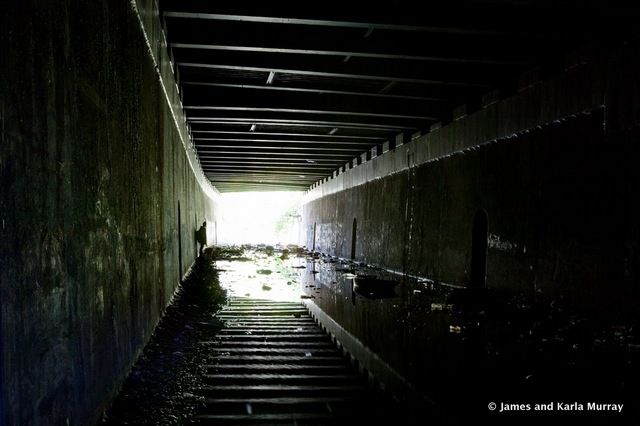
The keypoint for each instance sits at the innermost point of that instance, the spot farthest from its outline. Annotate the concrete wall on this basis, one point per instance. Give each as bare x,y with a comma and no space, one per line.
552,166
93,166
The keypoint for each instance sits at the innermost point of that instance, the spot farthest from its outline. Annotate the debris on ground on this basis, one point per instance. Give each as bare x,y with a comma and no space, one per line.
226,253
157,391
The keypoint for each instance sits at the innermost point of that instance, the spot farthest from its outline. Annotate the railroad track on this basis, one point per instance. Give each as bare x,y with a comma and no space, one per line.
272,364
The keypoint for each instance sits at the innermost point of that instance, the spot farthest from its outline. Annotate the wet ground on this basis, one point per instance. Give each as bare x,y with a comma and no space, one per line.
466,348
159,389
462,348
272,364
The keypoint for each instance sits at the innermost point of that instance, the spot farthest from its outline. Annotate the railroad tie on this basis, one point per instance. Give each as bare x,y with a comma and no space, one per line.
272,364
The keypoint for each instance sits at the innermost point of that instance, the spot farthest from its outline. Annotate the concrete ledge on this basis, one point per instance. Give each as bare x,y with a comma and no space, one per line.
148,15
390,380
537,101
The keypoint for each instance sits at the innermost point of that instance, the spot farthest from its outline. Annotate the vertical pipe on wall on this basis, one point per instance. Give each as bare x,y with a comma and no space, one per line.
195,240
313,243
353,238
179,243
479,245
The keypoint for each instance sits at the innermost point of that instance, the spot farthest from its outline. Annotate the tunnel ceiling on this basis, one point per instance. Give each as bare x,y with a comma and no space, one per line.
278,97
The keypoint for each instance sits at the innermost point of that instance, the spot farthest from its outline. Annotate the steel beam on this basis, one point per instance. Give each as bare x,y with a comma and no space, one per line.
203,141
312,73
347,24
297,123
251,135
306,111
316,91
361,54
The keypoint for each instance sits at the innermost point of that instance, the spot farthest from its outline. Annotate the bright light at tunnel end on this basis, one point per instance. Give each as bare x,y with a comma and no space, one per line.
261,217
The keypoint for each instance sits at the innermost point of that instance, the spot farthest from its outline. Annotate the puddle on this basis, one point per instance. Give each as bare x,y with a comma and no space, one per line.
267,276
455,344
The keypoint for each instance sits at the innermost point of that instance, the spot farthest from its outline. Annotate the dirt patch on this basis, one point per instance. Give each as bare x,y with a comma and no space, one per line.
159,387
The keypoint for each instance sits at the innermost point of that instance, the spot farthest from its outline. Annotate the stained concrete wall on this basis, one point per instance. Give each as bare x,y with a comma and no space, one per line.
552,167
93,166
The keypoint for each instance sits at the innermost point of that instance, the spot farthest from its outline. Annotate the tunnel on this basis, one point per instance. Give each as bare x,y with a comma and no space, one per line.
462,233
